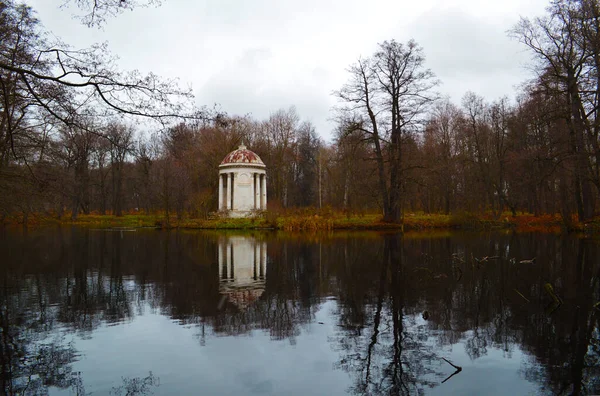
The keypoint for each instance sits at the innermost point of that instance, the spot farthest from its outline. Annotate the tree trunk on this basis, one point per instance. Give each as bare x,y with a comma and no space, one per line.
585,208
117,189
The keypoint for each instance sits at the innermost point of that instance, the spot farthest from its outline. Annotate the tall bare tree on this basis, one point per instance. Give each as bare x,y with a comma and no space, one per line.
440,150
565,45
386,99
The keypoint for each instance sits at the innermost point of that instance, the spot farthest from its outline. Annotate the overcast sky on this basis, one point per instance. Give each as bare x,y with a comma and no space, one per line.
257,56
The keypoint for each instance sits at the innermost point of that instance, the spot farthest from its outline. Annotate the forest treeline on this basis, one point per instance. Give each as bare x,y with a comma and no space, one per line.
68,144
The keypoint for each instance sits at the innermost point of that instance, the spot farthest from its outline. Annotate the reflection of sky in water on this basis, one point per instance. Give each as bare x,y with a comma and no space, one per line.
255,364
252,363
497,372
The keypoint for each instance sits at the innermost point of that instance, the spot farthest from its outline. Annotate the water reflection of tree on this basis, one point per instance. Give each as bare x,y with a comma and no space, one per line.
473,301
94,290
32,356
136,386
388,354
568,342
50,288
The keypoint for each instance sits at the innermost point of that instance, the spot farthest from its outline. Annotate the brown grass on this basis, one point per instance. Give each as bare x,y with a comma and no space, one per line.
310,219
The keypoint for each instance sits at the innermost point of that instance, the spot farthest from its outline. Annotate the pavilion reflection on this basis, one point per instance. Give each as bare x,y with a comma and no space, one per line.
242,269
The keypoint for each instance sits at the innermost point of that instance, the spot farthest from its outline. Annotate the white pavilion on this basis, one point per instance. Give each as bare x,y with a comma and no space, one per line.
242,183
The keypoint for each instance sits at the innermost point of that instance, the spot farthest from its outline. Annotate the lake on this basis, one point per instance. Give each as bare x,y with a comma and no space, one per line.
262,313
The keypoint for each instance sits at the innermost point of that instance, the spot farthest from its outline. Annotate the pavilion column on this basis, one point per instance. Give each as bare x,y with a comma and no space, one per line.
260,195
232,193
227,205
257,191
264,192
220,197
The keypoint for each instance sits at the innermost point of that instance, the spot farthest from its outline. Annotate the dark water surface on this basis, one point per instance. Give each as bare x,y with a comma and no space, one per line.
156,312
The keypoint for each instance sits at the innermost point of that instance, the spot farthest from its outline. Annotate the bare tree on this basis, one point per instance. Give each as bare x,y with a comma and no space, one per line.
280,133
441,153
67,84
96,12
560,42
122,145
45,85
385,99
79,146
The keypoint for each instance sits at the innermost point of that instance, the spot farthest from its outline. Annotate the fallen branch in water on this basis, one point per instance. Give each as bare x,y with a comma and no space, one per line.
524,298
550,291
458,369
557,301
486,258
532,261
460,274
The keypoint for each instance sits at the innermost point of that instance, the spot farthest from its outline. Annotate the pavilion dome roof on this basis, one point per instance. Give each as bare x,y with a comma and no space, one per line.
242,156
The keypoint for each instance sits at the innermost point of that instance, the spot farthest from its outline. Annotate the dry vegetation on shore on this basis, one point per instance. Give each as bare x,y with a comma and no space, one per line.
318,220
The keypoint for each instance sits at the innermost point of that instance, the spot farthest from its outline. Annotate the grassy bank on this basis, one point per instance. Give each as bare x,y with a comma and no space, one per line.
314,220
